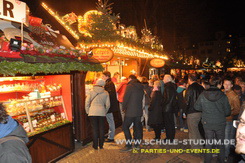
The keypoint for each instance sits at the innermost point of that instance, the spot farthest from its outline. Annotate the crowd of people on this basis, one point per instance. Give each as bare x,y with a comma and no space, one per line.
204,105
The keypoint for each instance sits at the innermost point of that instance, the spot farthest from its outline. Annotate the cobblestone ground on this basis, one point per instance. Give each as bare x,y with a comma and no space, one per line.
111,152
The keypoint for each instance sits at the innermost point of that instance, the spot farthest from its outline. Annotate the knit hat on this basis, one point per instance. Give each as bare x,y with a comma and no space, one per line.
100,82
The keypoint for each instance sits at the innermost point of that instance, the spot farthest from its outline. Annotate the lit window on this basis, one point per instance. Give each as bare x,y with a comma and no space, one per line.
228,50
228,42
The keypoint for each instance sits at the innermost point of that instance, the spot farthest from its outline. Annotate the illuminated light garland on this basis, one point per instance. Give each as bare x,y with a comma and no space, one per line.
119,48
52,13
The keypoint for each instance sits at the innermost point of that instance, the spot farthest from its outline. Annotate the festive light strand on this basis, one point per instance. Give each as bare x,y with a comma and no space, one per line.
56,16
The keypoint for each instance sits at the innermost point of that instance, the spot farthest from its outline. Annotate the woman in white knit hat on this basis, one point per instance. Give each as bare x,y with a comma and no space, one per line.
97,104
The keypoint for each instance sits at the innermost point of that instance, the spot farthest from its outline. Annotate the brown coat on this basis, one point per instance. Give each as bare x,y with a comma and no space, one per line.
234,102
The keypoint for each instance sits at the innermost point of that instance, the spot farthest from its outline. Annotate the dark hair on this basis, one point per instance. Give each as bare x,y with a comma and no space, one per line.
162,76
107,73
144,79
132,77
237,87
192,77
182,82
3,114
215,81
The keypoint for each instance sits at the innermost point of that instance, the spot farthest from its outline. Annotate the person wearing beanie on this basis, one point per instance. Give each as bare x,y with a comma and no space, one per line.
97,105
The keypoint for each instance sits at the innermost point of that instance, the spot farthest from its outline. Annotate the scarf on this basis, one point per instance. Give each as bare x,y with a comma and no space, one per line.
7,128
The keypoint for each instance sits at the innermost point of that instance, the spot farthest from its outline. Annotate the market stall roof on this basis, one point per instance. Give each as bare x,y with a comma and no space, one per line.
121,45
44,51
41,35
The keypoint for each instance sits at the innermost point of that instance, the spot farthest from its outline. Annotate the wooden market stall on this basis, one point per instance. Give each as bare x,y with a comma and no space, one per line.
42,85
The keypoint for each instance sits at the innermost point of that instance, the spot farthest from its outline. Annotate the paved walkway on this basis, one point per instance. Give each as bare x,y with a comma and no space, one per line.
111,152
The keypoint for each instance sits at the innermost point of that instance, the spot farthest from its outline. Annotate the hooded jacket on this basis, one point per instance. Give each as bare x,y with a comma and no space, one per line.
132,100
15,150
215,107
97,102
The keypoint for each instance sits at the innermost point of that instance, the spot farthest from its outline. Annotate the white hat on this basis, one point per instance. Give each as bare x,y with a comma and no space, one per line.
100,82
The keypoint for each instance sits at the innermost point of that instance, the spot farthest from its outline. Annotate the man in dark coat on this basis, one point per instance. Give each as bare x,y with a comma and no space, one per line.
169,106
132,105
215,107
13,140
114,104
193,116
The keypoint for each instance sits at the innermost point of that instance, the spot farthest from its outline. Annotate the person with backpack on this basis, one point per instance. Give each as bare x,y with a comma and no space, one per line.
97,105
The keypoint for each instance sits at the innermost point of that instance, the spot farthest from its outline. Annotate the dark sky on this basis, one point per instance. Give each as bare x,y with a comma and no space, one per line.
176,22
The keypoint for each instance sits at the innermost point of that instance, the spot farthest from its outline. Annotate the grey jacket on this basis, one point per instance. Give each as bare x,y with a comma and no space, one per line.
215,107
15,150
97,102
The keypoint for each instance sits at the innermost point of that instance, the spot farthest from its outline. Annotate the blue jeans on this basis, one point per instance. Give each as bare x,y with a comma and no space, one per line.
110,120
146,115
228,135
121,110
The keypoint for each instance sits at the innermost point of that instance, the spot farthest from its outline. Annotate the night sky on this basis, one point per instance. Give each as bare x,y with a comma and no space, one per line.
176,22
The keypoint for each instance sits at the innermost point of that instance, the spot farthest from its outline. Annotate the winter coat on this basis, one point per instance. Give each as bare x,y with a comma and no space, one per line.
132,100
169,103
215,107
155,109
100,104
121,90
192,93
147,91
234,103
110,88
15,150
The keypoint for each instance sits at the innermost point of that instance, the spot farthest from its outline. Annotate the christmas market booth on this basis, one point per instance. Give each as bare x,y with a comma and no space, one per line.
101,30
115,46
42,82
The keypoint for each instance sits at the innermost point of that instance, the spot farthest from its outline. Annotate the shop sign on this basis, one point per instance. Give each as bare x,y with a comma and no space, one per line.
157,63
102,54
13,10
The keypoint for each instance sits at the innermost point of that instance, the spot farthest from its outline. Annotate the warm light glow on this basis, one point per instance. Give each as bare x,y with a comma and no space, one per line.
119,48
83,21
56,16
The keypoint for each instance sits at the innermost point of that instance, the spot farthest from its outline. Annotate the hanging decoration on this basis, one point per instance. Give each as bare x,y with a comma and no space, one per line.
70,18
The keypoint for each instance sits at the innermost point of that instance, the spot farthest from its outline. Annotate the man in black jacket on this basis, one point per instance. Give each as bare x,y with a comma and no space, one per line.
132,105
215,107
170,106
193,116
114,104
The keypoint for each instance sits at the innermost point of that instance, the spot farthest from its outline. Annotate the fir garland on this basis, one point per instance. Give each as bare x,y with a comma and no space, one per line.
13,68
